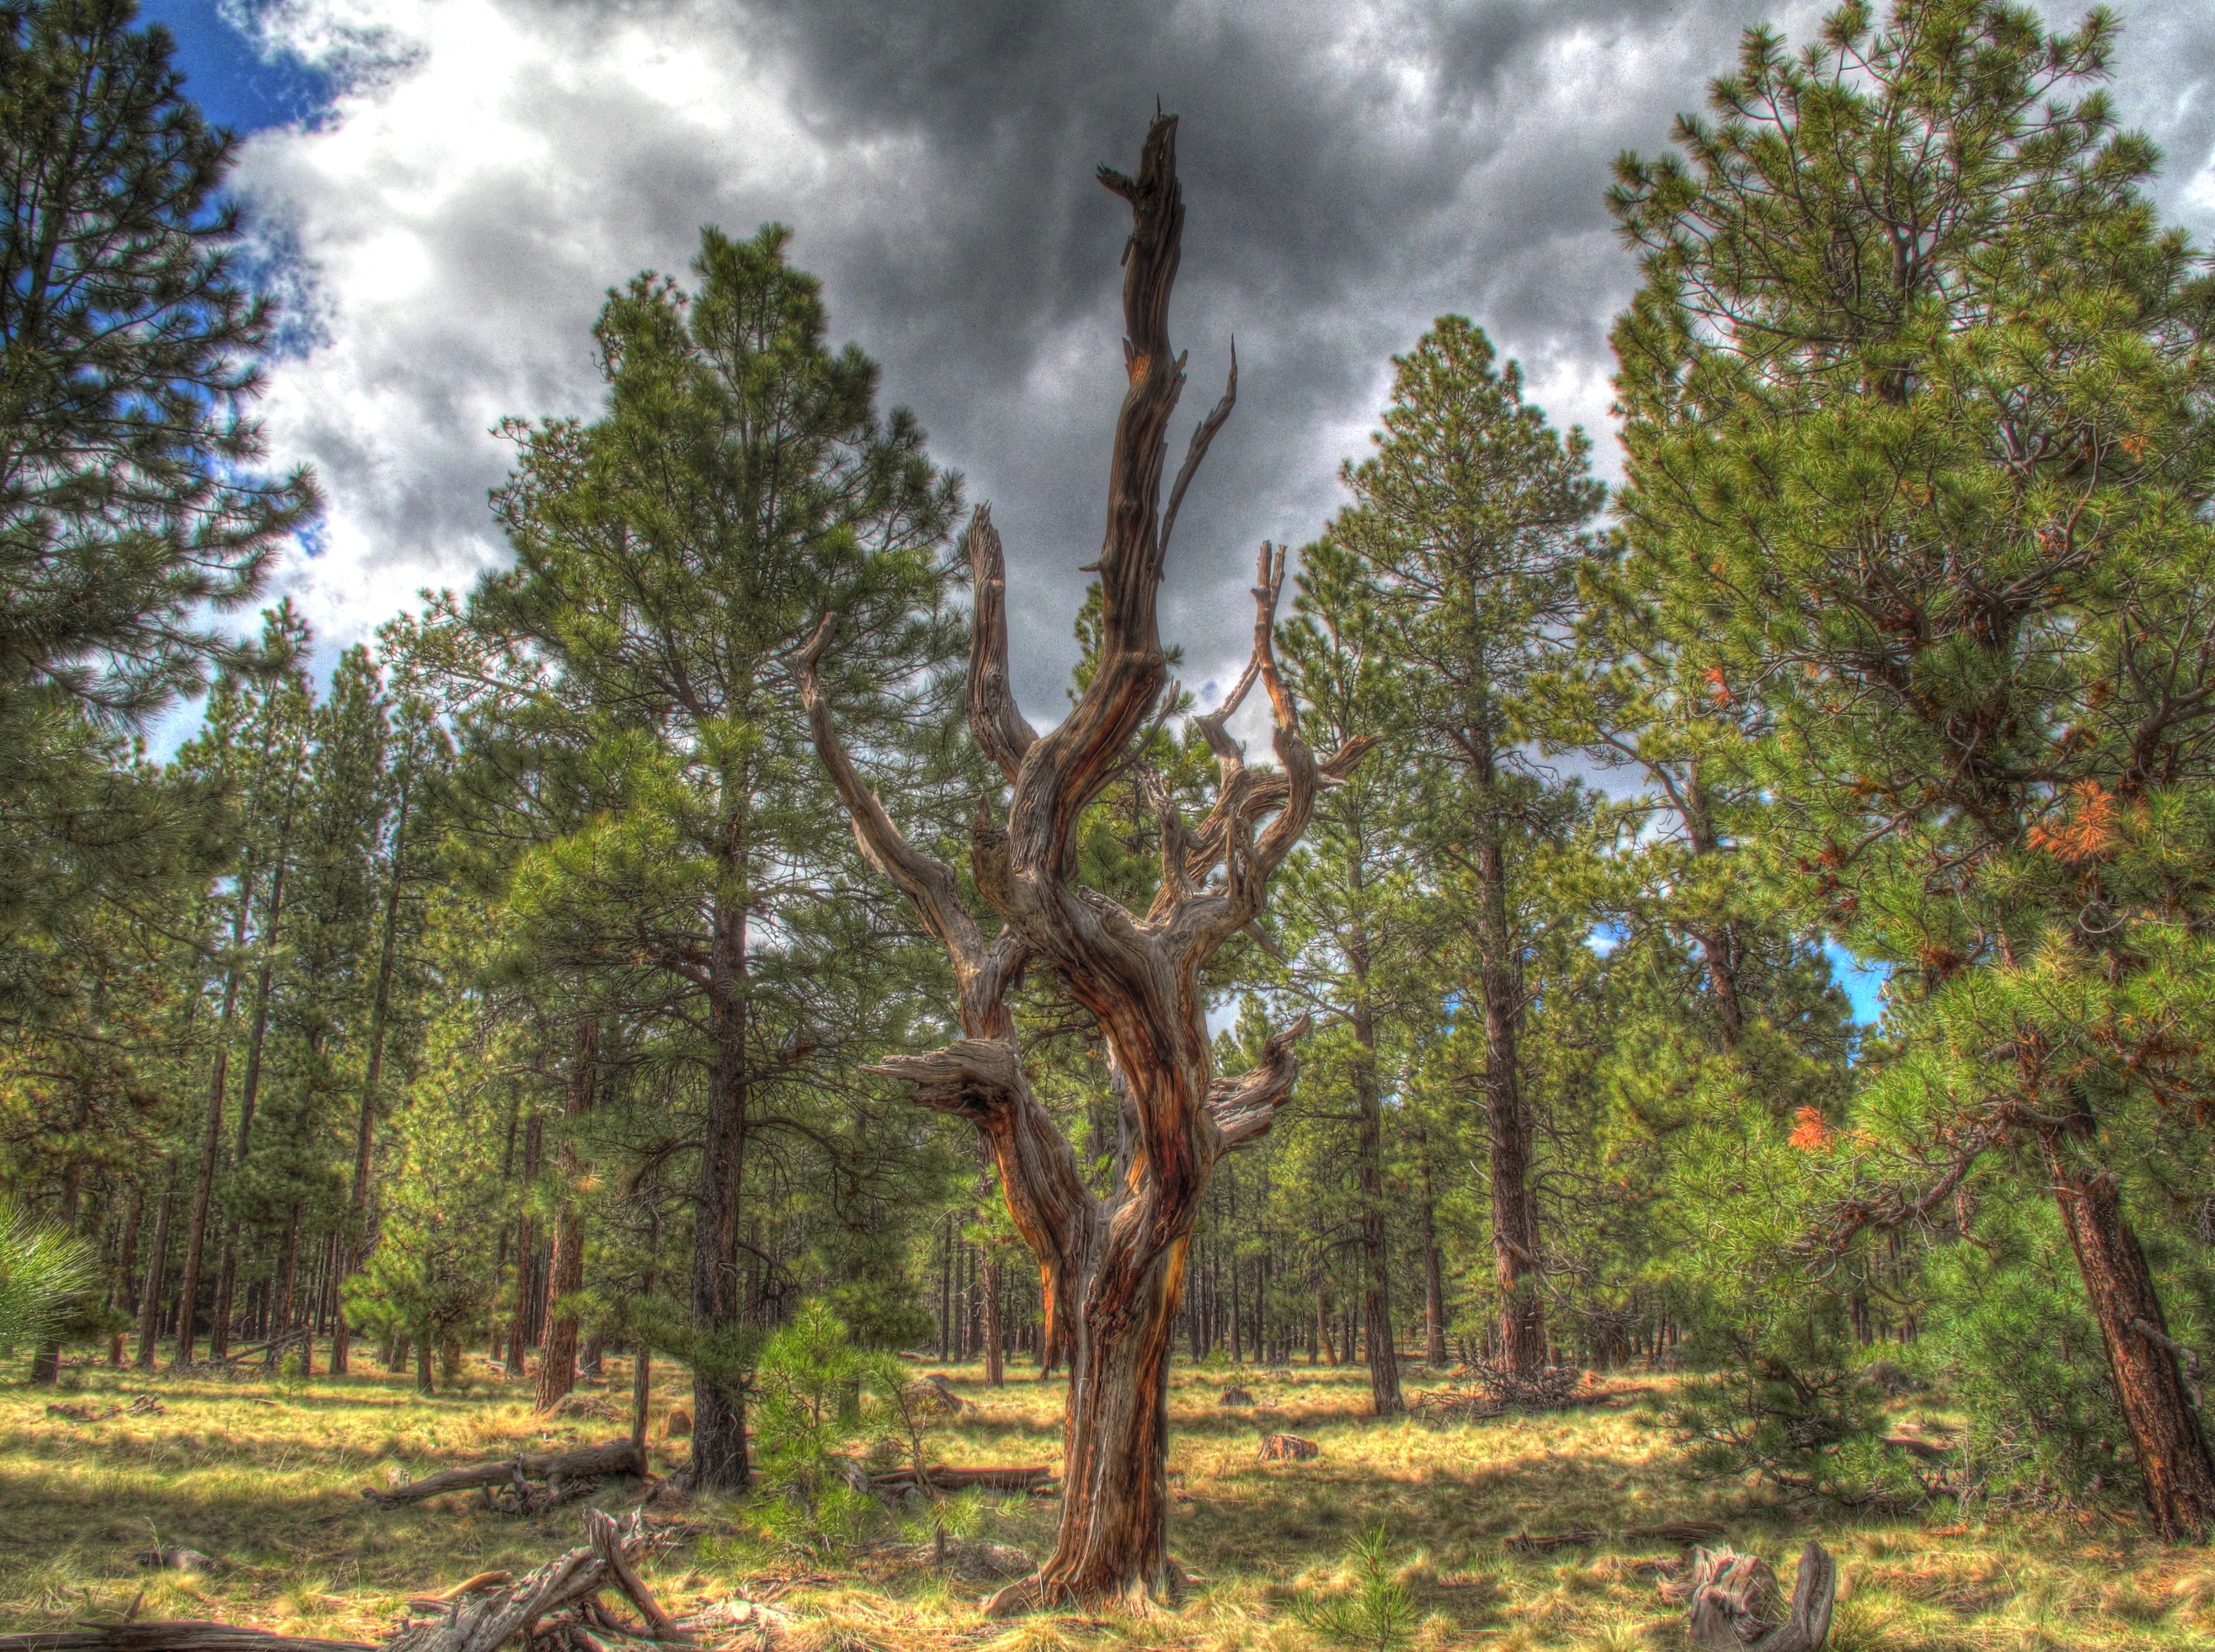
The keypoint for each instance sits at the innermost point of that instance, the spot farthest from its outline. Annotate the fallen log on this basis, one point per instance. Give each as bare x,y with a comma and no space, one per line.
1930,1451
189,1635
943,1478
617,1457
1683,1534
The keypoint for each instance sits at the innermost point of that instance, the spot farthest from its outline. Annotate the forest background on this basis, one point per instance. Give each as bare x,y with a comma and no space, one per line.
516,989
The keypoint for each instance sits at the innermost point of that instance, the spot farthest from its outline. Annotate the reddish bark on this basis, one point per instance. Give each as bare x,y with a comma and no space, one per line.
2175,1469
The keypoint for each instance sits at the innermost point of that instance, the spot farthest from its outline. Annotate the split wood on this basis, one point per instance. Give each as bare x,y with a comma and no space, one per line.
617,1457
1736,1604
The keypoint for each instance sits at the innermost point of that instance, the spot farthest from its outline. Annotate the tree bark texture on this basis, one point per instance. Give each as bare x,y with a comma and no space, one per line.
2175,1472
1507,1119
557,1359
1112,1269
719,1413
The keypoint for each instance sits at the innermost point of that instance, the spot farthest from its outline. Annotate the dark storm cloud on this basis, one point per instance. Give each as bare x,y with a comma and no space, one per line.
1350,173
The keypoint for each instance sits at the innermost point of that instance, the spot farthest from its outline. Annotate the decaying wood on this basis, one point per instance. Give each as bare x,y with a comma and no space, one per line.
1288,1449
1112,1267
1234,1397
1736,1605
488,1618
479,1615
941,1479
179,1635
607,1541
1683,1534
617,1457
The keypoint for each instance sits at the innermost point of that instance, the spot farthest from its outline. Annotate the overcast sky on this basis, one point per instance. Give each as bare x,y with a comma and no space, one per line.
454,184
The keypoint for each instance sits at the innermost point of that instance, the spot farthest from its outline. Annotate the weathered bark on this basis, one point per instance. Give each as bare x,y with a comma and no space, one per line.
157,1264
1111,1270
557,1359
2176,1473
424,1384
719,1416
365,1143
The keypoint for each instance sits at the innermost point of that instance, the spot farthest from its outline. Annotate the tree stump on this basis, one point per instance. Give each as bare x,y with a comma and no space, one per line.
1235,1397
1737,1605
1288,1449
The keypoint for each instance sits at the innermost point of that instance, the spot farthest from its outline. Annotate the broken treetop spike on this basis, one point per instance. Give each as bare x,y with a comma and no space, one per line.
1157,160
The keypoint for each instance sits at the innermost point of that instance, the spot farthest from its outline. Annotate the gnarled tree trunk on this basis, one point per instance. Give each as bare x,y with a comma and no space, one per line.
1112,1269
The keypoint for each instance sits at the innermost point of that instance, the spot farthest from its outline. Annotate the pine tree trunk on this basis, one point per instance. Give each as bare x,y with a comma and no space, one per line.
126,1260
211,1142
1434,1278
157,1264
996,1374
1507,1122
526,1253
288,1277
557,1360
1376,1264
2176,1473
365,1145
718,1417
424,1384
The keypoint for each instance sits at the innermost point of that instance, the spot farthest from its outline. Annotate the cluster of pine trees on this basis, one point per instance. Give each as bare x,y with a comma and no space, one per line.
517,992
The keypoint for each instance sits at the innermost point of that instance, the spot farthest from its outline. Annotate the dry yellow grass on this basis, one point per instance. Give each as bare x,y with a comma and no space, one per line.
266,1483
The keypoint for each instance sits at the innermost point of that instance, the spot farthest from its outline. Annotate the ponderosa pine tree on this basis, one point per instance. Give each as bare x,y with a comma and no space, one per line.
1917,392
1467,526
1113,1267
129,505
641,658
1351,925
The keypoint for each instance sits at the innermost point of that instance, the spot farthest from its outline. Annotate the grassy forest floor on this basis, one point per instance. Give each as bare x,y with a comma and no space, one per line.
265,1482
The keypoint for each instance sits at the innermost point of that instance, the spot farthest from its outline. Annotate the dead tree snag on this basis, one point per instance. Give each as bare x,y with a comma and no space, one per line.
1112,1267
